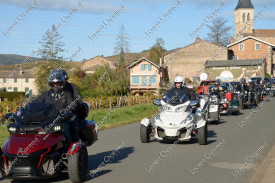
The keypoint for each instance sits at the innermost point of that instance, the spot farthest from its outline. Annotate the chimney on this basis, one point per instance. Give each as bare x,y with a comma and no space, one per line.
21,71
198,39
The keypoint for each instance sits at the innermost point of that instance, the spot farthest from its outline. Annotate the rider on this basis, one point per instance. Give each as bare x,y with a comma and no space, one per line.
244,86
70,86
179,89
250,85
216,87
63,101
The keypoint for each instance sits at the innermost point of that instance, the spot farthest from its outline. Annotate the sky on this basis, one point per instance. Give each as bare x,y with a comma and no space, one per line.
90,27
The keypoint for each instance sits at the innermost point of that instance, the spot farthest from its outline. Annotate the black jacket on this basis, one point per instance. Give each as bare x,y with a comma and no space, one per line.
63,101
180,92
73,90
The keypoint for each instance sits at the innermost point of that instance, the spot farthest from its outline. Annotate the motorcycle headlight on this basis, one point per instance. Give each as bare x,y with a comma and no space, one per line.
181,109
12,129
57,128
167,108
188,118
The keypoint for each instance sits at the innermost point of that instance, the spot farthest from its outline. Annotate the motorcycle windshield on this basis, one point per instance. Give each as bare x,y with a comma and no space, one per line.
175,99
37,113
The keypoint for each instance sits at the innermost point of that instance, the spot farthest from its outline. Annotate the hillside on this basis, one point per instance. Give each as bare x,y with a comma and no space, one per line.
10,59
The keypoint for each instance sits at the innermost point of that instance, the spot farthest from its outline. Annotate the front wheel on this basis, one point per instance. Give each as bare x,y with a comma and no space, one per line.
202,135
237,112
144,134
78,165
2,168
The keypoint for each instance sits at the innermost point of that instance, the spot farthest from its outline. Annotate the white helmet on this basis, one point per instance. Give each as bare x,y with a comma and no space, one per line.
179,79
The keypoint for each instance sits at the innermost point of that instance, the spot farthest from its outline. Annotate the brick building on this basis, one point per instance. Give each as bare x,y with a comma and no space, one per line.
189,61
92,64
254,48
249,43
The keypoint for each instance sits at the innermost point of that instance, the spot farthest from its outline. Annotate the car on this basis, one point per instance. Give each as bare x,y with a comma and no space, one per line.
204,85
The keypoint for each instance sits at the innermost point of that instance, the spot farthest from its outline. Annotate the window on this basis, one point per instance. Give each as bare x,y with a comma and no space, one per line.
142,67
248,17
15,80
9,88
244,17
235,57
135,79
146,67
144,81
153,79
27,80
26,89
257,46
4,80
15,89
241,47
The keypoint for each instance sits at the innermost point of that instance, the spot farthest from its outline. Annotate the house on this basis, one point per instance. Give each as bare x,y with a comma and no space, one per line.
254,48
92,64
189,60
234,70
249,43
18,81
145,76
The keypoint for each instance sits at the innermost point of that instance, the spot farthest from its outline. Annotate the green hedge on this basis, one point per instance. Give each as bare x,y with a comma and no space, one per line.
11,95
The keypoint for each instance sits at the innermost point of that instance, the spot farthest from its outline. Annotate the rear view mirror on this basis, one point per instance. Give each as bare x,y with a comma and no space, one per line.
157,102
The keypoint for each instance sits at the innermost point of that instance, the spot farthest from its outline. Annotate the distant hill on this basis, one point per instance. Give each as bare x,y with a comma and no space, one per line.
10,59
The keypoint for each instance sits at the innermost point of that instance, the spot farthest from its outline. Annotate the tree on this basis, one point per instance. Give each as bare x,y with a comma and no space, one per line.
43,73
122,75
122,46
219,31
51,45
157,50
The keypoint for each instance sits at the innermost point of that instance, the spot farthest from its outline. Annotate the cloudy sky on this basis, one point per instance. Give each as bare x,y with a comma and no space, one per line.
93,25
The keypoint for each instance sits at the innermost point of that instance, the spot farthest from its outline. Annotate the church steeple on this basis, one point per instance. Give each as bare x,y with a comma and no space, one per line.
244,18
244,4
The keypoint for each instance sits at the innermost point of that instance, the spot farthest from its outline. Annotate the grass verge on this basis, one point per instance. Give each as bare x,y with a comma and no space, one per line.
108,118
4,134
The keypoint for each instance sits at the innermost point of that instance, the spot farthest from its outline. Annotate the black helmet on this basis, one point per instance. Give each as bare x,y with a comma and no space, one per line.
243,80
57,81
64,74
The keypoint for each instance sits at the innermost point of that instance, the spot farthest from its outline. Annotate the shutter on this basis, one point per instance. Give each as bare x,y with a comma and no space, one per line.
149,67
142,67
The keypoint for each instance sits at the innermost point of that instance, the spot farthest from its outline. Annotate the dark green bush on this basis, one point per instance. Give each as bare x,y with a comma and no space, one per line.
11,95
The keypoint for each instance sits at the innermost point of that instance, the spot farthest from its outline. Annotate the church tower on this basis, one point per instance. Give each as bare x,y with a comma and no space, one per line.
244,18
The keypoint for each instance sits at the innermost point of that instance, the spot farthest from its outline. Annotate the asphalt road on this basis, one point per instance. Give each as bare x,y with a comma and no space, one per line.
233,153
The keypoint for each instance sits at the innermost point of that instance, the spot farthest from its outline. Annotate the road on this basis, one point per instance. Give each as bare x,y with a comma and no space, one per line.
233,153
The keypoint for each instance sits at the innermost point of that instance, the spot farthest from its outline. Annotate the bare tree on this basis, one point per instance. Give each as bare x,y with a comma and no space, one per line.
219,31
51,45
122,45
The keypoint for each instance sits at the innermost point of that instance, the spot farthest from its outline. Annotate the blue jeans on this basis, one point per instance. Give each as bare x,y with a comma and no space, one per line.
71,130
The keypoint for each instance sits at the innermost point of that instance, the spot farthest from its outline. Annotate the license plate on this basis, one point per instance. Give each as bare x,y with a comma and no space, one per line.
213,108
